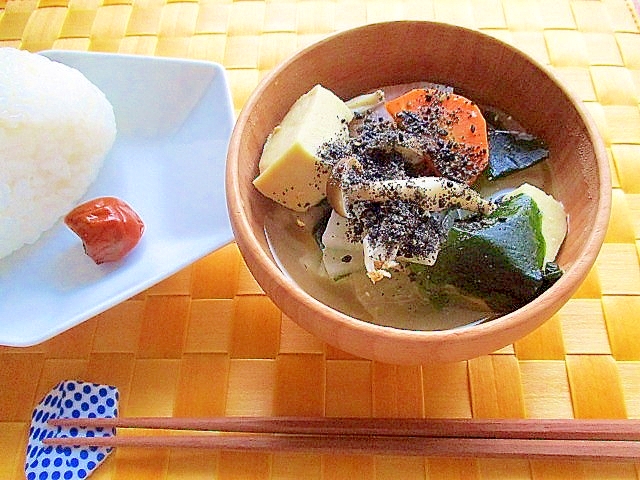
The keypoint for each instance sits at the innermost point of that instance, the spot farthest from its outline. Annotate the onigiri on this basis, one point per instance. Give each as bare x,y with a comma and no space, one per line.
56,127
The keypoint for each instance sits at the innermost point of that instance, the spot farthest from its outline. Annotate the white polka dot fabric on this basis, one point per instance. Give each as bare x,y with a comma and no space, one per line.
69,399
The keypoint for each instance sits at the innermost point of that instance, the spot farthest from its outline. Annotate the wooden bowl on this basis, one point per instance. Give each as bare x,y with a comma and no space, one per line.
481,68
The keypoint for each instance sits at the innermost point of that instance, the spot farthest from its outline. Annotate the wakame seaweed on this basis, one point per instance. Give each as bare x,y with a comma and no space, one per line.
498,258
513,151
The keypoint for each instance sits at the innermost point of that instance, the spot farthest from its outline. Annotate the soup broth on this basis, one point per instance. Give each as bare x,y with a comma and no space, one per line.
396,301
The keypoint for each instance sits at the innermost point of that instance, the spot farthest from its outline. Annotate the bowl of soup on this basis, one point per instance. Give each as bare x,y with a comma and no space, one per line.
388,299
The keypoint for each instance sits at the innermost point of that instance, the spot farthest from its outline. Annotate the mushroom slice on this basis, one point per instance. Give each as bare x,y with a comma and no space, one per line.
411,150
366,102
342,179
378,260
433,193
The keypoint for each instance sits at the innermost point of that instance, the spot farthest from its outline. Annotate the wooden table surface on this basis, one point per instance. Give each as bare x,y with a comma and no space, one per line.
208,342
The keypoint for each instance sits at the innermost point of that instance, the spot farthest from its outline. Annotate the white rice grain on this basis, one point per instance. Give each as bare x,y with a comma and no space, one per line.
56,127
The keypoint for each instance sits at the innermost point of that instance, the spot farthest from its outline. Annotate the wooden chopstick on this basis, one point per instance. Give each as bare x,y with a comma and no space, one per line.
602,440
592,450
548,429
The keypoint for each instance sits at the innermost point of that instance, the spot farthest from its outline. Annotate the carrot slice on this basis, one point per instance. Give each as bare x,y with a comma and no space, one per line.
458,146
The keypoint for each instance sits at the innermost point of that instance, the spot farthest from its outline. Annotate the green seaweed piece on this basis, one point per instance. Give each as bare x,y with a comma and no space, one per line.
498,258
510,152
321,226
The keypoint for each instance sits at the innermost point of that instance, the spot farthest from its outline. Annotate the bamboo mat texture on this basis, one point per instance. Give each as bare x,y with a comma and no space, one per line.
208,342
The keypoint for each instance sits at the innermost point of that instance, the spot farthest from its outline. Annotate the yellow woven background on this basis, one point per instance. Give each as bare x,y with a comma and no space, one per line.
208,342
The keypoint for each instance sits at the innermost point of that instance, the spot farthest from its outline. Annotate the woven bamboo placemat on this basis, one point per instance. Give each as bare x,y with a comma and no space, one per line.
208,342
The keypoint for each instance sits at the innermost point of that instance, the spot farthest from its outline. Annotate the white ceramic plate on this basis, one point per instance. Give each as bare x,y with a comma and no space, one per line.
174,121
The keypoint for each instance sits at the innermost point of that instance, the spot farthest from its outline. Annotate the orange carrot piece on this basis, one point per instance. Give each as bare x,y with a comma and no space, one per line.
411,101
459,117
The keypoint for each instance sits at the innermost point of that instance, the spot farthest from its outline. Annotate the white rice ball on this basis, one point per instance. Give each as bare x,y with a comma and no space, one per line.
56,127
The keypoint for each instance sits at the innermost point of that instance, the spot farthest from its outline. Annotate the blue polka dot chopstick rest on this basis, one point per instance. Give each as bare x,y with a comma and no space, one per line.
69,399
